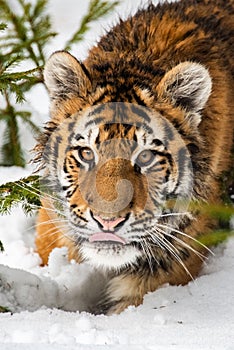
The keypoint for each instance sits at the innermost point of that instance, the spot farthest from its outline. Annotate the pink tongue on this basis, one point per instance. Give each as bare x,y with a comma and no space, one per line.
106,236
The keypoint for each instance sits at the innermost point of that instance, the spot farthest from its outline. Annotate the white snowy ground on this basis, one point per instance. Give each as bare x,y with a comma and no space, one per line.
197,316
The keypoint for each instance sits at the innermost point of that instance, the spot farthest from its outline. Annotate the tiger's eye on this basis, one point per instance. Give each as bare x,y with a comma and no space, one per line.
145,158
86,154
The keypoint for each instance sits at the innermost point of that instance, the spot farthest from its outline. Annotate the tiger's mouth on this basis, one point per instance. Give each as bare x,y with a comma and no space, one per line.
111,245
108,228
106,237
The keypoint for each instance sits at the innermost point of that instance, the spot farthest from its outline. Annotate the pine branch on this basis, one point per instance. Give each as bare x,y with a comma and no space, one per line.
24,192
96,10
11,148
17,82
31,29
25,116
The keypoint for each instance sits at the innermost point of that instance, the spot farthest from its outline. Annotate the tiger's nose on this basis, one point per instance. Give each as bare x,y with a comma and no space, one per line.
108,224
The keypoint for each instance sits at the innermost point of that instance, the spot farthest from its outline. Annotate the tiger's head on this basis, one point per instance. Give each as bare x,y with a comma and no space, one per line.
122,172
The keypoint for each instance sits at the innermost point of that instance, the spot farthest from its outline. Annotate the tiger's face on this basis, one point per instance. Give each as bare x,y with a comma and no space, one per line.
121,174
117,170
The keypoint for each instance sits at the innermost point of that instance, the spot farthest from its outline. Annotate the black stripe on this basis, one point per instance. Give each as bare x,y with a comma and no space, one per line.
56,146
96,110
78,164
85,70
100,98
182,159
144,127
140,112
78,137
138,98
169,131
80,217
154,170
95,121
156,203
157,142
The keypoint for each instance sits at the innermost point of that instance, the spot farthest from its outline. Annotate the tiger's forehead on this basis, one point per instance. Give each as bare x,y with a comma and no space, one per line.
116,131
116,120
119,112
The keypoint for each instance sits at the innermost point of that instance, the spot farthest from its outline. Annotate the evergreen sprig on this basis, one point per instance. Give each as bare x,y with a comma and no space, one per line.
17,83
29,29
24,192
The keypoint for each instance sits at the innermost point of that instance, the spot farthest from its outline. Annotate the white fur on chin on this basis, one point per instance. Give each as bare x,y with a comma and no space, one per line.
109,259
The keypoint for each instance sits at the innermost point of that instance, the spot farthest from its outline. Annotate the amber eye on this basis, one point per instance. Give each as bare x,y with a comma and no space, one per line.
145,158
86,154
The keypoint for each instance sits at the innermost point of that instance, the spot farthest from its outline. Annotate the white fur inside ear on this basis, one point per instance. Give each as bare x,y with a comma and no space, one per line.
63,74
188,85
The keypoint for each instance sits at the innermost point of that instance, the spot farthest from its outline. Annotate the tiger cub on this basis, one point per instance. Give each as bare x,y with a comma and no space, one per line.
139,131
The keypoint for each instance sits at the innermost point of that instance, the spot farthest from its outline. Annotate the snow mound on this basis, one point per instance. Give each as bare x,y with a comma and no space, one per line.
196,316
62,284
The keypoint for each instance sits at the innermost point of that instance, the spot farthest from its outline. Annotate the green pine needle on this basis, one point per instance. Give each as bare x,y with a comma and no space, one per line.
11,150
24,192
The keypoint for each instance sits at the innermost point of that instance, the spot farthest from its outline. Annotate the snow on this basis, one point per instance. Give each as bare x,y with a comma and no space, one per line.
45,300
196,316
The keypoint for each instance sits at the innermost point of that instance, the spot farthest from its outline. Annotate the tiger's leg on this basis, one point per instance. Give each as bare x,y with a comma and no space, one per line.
48,235
51,233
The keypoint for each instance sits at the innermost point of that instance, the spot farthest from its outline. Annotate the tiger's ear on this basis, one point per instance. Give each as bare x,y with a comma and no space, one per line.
65,77
187,85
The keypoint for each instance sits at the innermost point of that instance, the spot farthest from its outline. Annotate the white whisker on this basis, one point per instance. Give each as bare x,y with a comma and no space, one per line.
185,235
183,244
35,191
173,250
172,214
148,253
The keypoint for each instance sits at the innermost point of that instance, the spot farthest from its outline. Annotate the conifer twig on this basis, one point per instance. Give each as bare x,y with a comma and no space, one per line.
20,193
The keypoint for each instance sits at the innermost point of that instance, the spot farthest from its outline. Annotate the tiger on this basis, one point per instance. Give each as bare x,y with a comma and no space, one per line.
140,138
